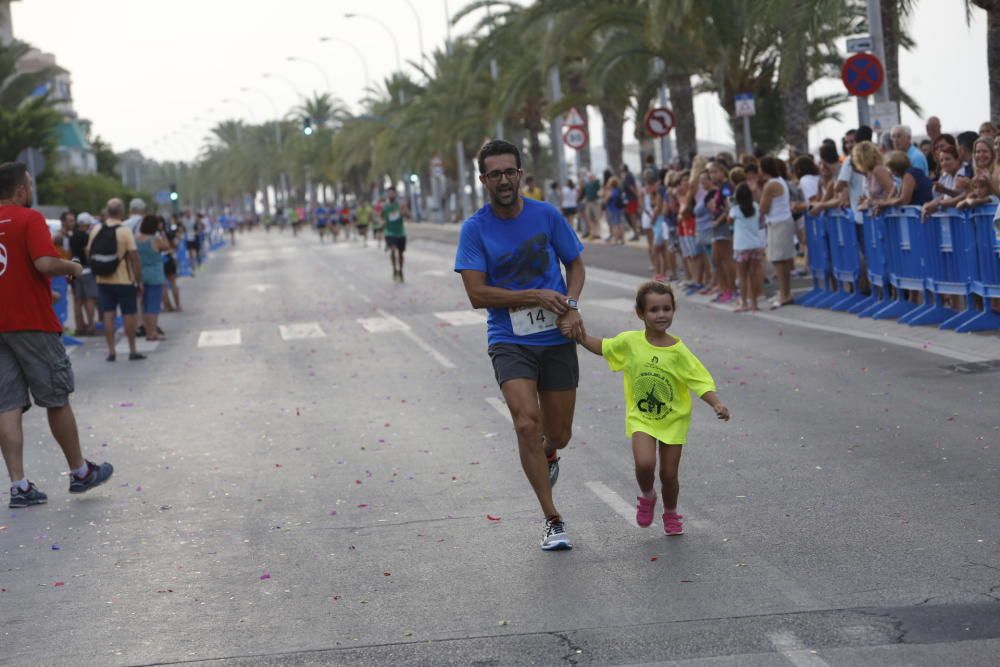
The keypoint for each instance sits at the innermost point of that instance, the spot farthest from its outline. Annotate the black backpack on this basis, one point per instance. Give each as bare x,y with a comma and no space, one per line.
103,260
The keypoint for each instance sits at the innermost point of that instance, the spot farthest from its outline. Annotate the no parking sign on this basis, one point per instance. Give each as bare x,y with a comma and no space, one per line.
862,74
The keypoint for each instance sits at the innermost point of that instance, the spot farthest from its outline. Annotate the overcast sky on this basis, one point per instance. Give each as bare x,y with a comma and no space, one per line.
153,75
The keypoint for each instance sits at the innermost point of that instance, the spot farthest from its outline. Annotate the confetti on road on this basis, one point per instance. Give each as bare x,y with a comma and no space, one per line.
55,547
492,518
59,583
264,576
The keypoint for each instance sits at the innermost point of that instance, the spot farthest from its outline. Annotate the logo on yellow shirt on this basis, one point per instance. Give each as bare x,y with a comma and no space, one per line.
655,394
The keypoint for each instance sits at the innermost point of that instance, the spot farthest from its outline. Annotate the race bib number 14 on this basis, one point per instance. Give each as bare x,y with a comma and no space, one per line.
526,321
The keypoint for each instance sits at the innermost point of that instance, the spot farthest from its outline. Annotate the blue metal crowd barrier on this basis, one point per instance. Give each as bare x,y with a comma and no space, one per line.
819,261
950,254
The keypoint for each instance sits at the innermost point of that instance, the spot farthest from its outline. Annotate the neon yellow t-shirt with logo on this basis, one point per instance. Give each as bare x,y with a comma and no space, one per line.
658,384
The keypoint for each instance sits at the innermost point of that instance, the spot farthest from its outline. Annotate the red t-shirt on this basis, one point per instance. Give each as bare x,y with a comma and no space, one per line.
25,294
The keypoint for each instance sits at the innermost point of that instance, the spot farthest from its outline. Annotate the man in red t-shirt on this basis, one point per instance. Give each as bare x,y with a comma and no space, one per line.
32,356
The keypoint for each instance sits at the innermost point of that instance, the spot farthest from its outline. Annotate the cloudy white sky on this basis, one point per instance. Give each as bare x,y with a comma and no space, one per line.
153,75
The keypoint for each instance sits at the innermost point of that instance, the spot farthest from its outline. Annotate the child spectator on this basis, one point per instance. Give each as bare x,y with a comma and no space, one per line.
659,374
748,247
981,192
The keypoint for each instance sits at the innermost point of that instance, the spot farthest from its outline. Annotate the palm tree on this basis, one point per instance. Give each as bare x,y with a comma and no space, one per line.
25,119
992,8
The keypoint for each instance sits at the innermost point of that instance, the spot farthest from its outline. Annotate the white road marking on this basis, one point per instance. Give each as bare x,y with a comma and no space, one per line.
260,289
361,295
794,651
301,330
382,324
459,318
500,407
614,501
141,345
220,338
437,356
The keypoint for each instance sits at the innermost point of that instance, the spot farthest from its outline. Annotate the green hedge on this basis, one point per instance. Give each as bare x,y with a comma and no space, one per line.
86,192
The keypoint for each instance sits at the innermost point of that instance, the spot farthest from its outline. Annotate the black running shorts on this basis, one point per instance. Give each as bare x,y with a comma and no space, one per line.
553,368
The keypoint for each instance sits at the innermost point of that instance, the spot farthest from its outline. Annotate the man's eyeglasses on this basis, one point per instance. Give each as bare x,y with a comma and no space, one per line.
495,175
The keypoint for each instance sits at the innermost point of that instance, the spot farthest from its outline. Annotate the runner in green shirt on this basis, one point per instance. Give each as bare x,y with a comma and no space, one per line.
395,235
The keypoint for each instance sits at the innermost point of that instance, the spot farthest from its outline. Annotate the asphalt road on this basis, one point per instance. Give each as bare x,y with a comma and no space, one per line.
346,490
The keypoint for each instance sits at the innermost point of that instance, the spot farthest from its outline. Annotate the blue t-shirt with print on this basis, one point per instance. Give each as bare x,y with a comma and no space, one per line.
522,253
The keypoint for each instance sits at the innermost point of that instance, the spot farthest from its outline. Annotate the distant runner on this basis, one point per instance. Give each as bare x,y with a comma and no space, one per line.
509,255
395,235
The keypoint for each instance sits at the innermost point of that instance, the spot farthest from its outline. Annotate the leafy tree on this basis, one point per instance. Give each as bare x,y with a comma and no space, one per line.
107,159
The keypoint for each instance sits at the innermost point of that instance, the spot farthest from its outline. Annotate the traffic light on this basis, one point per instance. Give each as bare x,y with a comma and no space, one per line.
174,195
307,126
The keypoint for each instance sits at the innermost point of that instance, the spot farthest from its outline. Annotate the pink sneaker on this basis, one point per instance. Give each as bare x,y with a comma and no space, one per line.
726,297
672,523
644,509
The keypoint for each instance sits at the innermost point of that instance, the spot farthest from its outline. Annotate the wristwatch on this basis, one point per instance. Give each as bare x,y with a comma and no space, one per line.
572,303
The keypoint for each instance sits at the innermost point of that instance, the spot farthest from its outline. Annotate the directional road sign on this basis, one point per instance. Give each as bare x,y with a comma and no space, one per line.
575,137
574,118
659,121
862,74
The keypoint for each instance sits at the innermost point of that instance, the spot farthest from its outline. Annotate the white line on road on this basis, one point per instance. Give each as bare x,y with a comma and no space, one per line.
792,648
459,318
500,407
393,323
220,338
614,501
301,330
382,324
141,345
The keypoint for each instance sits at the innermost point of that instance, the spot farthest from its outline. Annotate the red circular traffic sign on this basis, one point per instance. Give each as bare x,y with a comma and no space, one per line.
575,137
659,121
862,74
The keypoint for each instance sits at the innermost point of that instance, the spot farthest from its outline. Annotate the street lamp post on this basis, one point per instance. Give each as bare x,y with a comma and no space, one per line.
291,84
388,31
326,78
361,56
277,137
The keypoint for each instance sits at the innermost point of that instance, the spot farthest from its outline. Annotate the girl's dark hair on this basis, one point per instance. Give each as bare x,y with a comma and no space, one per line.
654,287
770,166
149,225
744,198
804,166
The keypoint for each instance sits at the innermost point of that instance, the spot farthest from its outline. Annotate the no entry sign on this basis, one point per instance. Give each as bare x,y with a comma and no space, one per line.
862,74
659,121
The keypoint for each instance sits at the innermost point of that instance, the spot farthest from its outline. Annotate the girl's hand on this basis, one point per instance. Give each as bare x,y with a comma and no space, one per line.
721,411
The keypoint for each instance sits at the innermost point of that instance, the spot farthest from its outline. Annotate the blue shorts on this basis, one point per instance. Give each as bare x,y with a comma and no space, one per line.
152,299
660,231
113,297
690,246
615,216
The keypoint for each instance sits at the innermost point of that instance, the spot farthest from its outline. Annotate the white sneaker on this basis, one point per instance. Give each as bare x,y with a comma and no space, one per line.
556,538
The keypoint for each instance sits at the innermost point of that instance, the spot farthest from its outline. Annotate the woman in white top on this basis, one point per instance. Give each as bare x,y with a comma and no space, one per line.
950,188
570,196
776,209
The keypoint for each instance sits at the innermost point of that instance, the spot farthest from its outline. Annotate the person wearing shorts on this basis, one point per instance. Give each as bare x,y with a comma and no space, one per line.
395,235
775,205
510,256
33,361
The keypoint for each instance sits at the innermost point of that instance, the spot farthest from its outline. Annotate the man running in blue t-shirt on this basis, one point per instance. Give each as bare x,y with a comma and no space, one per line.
509,255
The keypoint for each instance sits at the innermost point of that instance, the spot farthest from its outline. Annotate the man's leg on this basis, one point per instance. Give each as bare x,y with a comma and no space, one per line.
557,418
109,330
521,396
63,426
128,321
12,443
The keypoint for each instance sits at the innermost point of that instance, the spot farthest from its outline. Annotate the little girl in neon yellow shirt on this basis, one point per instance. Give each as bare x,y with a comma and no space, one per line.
659,370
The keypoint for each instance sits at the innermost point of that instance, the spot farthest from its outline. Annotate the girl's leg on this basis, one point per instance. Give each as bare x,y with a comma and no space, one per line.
744,284
756,281
670,461
644,452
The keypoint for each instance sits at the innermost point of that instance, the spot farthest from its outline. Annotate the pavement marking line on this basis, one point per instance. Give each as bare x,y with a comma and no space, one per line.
614,501
459,318
220,338
382,324
500,407
361,295
260,289
390,322
794,651
301,330
141,345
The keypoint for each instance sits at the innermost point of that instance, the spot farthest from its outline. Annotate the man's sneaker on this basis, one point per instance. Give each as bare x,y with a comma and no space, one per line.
556,538
96,475
672,523
553,470
32,496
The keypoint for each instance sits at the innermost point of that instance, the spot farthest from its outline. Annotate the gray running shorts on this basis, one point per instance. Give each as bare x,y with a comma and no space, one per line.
35,361
552,367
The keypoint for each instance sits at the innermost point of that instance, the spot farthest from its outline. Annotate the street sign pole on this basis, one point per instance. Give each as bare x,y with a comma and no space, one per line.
666,152
864,115
747,141
555,94
878,44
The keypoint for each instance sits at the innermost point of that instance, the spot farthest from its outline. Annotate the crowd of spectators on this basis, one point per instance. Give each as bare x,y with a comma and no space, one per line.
722,226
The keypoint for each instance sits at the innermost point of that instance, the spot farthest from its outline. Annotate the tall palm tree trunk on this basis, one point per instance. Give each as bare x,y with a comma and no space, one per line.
614,133
890,40
682,103
795,100
992,8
